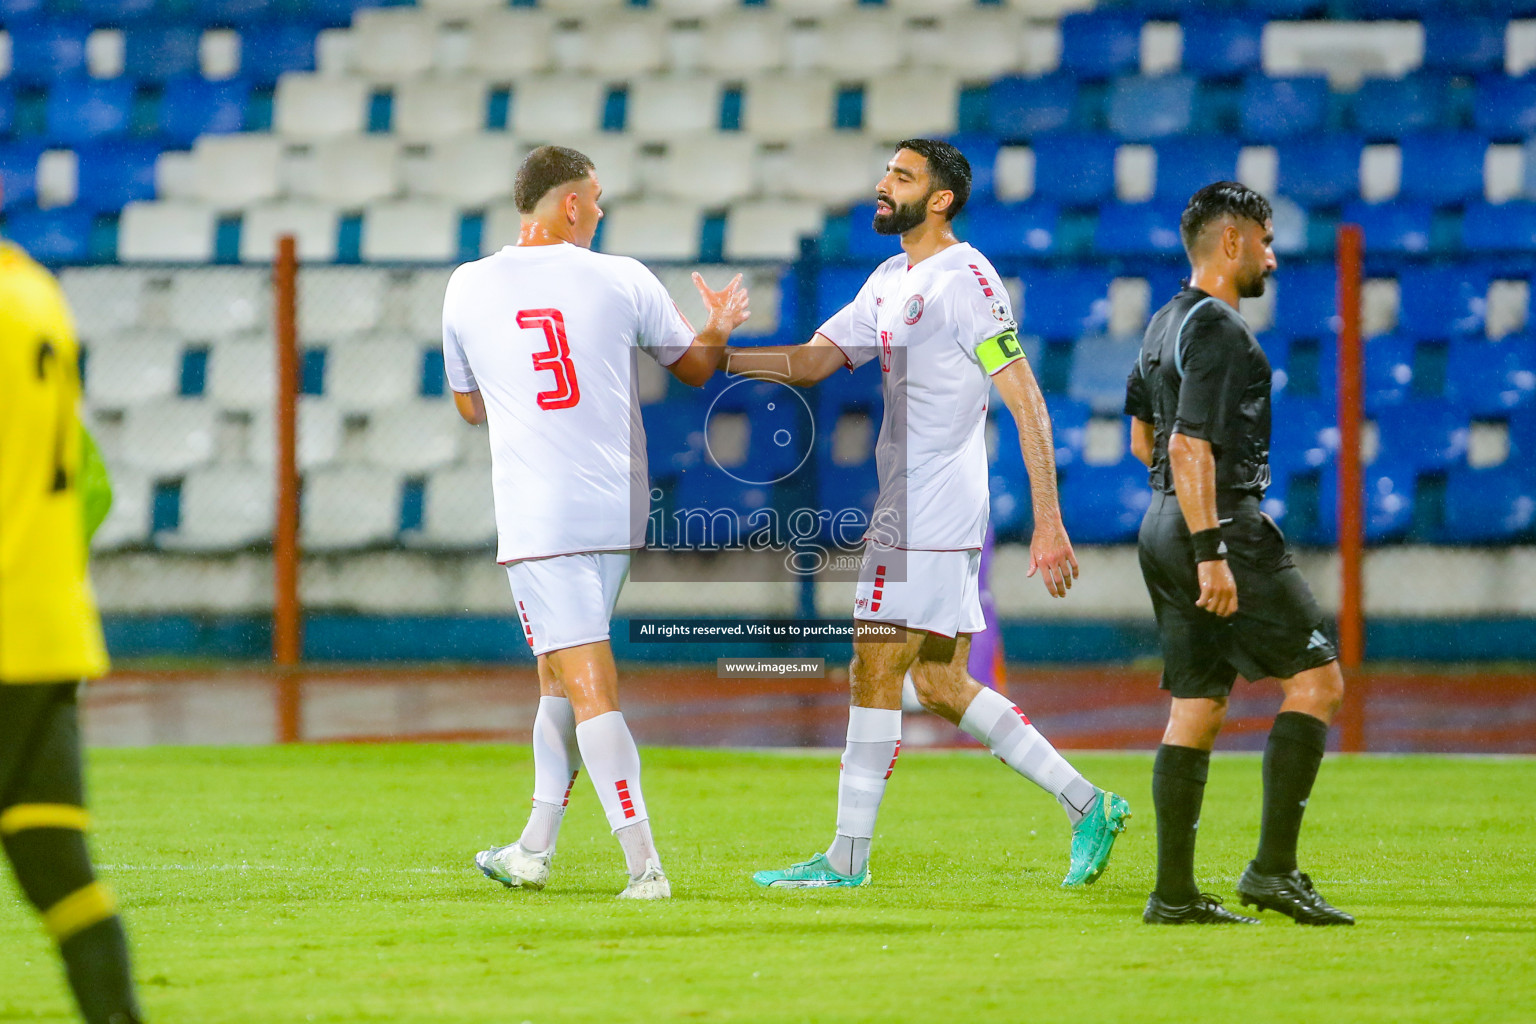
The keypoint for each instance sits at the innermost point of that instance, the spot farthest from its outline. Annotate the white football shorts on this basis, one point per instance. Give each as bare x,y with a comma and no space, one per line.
936,591
567,600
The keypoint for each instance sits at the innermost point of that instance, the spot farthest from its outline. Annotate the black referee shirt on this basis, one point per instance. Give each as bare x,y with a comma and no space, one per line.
1201,373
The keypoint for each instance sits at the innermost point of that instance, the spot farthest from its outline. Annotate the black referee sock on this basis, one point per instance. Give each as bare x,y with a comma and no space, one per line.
1178,789
1291,759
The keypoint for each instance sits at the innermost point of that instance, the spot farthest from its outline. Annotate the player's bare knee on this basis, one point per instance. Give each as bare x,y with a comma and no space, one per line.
1195,722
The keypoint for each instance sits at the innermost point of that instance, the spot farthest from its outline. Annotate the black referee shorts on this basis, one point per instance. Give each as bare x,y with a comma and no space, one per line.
40,744
1278,629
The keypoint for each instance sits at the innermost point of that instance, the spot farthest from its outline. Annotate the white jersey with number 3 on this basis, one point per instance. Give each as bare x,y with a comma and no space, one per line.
548,335
924,322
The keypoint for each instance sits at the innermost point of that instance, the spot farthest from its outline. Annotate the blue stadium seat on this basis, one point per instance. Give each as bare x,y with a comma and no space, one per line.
1400,226
1009,479
85,109
1489,506
836,287
1306,305
1139,229
1444,168
7,109
44,51
707,489
1100,365
864,242
1021,108
1221,47
14,12
268,50
1389,366
1462,45
980,148
1283,108
1492,378
1097,45
52,236
18,173
1505,108
191,107
1105,504
1304,434
1289,9
1062,303
1010,229
155,53
1386,108
841,487
1425,434
1502,227
674,435
1144,109
1188,164
845,392
1388,493
115,173
117,12
1442,301
1305,366
336,13
232,13
1320,171
1074,169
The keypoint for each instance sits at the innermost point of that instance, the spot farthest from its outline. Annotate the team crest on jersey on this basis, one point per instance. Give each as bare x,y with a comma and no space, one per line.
914,311
1000,313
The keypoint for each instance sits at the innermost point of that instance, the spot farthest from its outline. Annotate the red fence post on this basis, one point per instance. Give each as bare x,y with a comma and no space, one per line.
1351,483
287,638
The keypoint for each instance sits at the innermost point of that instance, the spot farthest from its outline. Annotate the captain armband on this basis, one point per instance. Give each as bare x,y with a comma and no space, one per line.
999,351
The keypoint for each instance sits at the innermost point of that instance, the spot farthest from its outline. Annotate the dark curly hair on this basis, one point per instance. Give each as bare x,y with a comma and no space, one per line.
1217,200
947,167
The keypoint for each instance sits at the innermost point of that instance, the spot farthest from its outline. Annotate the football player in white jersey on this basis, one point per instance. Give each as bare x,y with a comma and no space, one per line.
540,341
938,319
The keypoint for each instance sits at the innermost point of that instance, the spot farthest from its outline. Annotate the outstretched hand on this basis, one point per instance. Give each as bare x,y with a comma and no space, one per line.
1050,554
727,308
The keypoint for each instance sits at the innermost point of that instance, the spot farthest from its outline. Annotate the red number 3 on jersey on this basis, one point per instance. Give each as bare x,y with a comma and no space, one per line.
556,358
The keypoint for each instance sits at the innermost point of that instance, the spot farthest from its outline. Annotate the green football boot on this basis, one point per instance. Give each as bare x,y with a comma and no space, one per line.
815,873
1094,837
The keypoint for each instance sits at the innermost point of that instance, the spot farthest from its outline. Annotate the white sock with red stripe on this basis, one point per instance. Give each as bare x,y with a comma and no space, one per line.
997,721
874,740
613,762
556,763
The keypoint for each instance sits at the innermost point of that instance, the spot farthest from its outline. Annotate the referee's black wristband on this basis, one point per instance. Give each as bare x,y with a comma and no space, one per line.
1208,546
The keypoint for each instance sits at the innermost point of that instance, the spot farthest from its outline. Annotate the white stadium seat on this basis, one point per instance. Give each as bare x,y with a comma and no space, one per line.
127,523
584,7
364,375
1049,10
552,107
813,8
616,159
911,103
1345,51
620,46
319,106
669,106
458,511
424,303
105,300
121,372
393,43
223,508
662,230
234,171
460,8
506,44
421,230
975,43
439,108
169,436
321,426
216,302
335,302
744,42
313,225
346,172
470,171
713,170
779,107
834,169
770,229
414,436
502,223
859,44
929,8
167,231
348,507
698,8
176,175
242,374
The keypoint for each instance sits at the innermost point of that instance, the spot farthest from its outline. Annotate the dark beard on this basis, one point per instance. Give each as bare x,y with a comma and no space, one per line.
1253,287
901,219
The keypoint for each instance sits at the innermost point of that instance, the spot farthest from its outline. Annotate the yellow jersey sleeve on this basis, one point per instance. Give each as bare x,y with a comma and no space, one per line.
50,630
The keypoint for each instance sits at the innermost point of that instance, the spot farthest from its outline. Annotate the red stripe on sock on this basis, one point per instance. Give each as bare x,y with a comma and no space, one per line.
894,755
1020,712
624,801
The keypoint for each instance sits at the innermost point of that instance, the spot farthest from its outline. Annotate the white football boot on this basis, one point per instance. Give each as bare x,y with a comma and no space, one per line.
514,867
651,885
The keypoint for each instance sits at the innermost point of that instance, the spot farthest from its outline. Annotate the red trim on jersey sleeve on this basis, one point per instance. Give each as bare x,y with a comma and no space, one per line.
841,351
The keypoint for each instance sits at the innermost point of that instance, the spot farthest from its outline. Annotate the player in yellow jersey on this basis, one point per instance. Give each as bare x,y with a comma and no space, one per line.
50,635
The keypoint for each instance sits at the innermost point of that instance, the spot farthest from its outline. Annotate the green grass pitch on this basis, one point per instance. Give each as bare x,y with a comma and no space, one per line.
336,884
